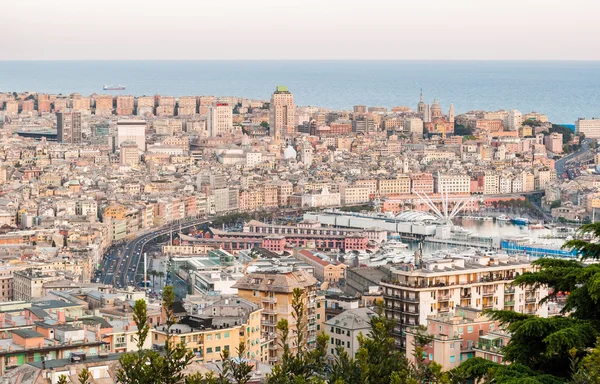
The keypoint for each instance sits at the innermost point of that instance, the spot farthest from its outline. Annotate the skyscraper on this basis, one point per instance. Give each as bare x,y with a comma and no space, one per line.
220,119
283,109
68,126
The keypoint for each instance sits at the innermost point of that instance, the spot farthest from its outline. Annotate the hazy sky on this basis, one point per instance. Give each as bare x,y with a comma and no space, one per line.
306,29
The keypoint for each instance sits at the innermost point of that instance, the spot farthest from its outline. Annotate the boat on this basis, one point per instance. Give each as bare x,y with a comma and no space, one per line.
520,221
536,226
503,218
113,87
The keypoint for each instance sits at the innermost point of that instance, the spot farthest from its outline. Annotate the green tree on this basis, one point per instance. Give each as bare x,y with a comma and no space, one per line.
484,371
264,124
377,356
588,370
176,356
139,367
62,379
299,363
53,243
160,275
84,376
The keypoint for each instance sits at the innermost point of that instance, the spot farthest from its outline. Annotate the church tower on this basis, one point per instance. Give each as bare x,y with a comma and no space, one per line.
451,114
421,105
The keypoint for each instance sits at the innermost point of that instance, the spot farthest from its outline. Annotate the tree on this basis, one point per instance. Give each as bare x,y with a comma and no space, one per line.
53,243
160,275
483,371
377,356
84,376
301,365
461,130
139,367
176,356
588,370
264,124
62,379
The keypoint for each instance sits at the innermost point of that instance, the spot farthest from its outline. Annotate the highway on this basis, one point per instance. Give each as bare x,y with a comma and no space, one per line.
560,165
121,264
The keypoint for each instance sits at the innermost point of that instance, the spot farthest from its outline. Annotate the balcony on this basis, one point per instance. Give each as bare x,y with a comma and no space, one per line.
414,311
509,303
465,295
488,304
410,299
487,294
269,299
273,359
269,323
509,291
272,347
444,298
530,299
269,311
120,345
444,310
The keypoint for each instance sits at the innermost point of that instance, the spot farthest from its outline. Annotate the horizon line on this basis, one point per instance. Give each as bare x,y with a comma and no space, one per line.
315,59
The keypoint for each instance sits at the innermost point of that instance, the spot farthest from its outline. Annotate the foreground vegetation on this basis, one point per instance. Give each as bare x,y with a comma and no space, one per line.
560,349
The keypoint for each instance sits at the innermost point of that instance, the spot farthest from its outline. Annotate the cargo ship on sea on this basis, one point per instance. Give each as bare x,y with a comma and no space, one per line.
108,87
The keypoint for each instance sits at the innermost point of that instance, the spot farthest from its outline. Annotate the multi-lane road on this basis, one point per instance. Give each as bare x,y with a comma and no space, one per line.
121,265
561,165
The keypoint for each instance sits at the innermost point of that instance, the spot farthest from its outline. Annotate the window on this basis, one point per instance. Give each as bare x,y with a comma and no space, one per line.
331,329
441,328
452,358
470,329
195,338
209,350
347,344
217,349
132,339
431,356
332,340
226,335
460,330
451,345
226,347
217,336
318,315
208,337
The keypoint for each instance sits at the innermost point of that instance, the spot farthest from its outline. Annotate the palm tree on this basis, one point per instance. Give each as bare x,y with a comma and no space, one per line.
153,273
161,274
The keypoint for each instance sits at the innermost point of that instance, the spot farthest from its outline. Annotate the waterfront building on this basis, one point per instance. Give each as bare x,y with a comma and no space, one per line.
438,286
589,127
125,105
103,104
68,127
282,112
145,105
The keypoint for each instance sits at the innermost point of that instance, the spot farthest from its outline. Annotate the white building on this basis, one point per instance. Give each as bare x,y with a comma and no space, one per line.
452,183
323,199
343,330
514,120
220,120
132,130
414,125
589,127
477,280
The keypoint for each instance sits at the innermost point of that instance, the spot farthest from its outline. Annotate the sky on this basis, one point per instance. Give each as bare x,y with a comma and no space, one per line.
307,29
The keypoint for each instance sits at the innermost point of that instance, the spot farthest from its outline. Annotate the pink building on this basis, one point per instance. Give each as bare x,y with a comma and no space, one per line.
554,142
456,337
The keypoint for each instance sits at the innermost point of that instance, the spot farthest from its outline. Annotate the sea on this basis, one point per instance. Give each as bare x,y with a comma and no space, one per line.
564,90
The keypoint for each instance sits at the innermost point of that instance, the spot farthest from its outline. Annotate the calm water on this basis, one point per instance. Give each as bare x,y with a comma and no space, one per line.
563,90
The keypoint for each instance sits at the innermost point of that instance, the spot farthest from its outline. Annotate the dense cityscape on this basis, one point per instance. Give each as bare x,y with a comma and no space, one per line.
235,240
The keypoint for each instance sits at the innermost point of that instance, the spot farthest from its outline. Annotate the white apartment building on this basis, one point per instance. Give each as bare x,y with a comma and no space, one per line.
132,130
514,120
220,120
354,195
505,183
343,330
589,127
491,183
452,183
414,125
283,110
477,280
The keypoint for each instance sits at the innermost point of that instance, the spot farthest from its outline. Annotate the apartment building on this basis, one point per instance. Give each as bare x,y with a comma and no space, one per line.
454,336
325,269
589,127
68,127
273,292
220,326
452,183
438,286
343,330
399,185
220,120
